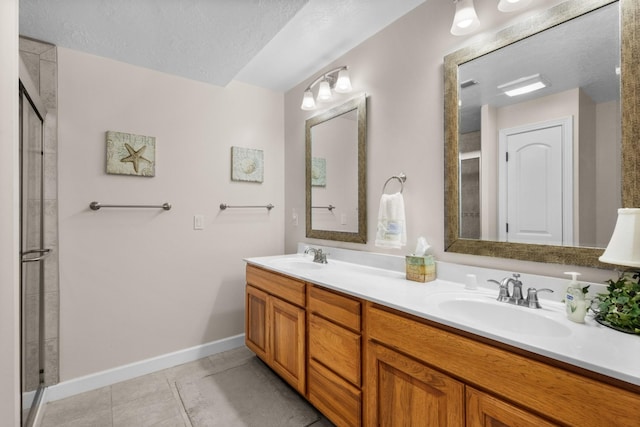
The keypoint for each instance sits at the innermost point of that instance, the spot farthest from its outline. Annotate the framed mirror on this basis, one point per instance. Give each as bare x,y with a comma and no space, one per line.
570,147
335,158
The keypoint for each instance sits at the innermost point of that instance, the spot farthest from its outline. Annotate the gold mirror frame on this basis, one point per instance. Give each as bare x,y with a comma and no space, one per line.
360,104
630,101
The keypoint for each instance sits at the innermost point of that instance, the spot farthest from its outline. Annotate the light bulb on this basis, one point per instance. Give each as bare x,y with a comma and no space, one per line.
343,84
308,103
324,91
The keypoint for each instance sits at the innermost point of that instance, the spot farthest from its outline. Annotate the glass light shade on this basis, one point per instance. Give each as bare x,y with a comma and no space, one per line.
343,84
308,103
324,91
512,5
624,246
465,20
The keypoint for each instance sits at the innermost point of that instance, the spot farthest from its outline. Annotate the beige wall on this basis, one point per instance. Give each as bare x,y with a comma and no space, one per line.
608,171
135,284
9,212
401,69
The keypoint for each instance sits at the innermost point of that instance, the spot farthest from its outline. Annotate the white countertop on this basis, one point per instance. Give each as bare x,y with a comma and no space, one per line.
590,345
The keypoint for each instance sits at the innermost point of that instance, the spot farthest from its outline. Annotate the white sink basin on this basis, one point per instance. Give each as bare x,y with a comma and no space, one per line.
299,264
504,317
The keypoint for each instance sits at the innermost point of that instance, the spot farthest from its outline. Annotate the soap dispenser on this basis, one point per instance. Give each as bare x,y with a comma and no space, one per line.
575,302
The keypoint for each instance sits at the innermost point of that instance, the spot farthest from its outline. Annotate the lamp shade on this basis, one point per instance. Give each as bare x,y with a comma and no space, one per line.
624,246
465,20
343,84
512,5
308,103
324,91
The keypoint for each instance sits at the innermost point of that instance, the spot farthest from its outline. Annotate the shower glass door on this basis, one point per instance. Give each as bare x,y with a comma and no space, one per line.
33,254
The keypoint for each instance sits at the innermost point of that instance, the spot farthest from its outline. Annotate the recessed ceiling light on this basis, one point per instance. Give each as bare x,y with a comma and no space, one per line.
467,83
524,85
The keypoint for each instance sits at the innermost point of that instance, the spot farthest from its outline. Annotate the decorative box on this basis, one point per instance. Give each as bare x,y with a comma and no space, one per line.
421,268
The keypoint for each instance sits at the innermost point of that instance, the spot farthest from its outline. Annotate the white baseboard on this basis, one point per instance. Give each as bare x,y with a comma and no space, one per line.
143,367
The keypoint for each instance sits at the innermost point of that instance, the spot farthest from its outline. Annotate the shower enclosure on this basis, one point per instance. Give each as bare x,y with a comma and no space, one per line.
33,252
38,204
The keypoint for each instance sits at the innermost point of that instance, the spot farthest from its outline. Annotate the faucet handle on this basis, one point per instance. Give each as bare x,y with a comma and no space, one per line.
503,294
532,297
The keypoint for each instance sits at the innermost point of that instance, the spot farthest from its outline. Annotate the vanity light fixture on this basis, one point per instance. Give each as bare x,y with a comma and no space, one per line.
465,20
624,246
524,85
512,5
337,80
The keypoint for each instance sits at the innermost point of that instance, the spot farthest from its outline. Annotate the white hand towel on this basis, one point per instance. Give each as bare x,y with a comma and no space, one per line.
392,232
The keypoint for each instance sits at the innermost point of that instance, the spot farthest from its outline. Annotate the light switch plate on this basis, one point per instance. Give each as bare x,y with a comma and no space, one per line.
198,222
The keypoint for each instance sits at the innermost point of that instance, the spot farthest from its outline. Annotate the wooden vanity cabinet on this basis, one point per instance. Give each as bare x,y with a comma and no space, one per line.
412,363
363,364
334,355
275,323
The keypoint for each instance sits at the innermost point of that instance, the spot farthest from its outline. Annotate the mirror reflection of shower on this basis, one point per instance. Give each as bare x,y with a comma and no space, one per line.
469,167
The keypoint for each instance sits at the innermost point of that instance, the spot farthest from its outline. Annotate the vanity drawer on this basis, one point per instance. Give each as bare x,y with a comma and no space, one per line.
335,347
283,287
341,309
334,397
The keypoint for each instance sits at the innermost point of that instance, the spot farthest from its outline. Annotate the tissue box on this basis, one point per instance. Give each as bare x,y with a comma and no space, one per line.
421,268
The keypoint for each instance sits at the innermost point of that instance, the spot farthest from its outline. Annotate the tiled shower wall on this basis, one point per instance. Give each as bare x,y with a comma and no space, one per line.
41,61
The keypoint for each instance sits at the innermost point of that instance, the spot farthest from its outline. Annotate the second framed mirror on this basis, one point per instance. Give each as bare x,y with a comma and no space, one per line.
335,159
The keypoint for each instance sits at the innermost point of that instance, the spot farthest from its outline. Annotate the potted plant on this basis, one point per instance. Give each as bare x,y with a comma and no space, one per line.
620,307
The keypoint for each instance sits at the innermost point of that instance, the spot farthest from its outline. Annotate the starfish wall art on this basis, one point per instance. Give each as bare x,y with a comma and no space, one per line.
129,154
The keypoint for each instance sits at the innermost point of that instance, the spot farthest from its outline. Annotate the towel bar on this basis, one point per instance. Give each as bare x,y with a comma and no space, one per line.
224,206
330,207
97,205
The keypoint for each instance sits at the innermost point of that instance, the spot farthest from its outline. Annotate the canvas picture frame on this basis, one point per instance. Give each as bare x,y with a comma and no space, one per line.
247,164
130,154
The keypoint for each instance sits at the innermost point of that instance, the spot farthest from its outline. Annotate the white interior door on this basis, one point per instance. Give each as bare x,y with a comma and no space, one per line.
535,185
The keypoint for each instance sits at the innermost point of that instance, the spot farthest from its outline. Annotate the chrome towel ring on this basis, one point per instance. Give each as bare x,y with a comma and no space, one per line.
401,179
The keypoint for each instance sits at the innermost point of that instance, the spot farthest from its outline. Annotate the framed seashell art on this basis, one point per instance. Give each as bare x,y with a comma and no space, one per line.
247,164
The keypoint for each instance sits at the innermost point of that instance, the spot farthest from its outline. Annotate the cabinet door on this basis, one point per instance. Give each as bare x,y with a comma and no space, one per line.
484,410
287,342
256,322
404,392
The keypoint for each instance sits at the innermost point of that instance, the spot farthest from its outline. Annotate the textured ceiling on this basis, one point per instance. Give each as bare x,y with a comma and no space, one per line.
583,52
273,44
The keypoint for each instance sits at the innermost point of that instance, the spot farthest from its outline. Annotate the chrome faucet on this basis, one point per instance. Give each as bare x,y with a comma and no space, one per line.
516,297
318,255
503,294
532,297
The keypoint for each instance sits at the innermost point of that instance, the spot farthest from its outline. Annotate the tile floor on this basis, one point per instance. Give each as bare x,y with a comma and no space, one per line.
149,400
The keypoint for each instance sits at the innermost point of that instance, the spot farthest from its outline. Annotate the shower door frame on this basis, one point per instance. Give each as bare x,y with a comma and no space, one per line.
29,94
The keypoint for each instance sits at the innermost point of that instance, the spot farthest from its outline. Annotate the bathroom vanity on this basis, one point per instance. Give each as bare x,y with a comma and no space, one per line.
366,347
